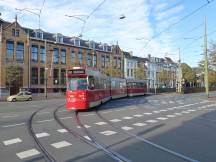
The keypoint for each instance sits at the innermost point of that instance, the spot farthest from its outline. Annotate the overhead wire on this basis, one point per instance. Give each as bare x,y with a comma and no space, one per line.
180,20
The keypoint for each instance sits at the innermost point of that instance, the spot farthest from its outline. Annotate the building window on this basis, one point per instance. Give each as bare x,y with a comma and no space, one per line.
119,63
102,61
77,42
80,57
15,32
95,60
34,78
56,76
20,52
10,50
128,72
34,56
42,77
107,61
39,35
42,54
55,56
73,56
63,56
89,59
63,76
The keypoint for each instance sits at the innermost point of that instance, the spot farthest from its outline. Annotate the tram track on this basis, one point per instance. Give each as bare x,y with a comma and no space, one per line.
47,156
92,141
141,139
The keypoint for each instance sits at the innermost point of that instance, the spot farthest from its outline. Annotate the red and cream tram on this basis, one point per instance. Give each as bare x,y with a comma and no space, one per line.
88,88
136,87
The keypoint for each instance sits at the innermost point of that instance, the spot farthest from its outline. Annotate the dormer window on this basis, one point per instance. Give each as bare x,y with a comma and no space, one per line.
59,38
105,47
92,44
15,32
39,34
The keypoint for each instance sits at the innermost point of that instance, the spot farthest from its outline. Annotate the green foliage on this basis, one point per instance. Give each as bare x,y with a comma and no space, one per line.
140,73
187,73
12,73
212,77
164,76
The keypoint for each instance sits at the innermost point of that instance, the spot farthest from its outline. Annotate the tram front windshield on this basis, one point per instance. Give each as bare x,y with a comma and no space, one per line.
77,84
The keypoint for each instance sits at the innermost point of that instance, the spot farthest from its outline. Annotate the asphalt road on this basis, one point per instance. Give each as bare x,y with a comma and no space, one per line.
160,128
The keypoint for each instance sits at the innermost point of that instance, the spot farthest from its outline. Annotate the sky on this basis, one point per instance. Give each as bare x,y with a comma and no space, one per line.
156,27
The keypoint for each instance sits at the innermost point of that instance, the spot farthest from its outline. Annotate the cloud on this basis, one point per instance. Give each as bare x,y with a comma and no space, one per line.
144,18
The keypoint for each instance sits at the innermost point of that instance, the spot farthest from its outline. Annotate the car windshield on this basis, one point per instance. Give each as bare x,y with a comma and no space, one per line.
77,84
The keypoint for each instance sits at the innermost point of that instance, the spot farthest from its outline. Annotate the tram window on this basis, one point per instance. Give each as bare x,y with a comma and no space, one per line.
77,84
91,84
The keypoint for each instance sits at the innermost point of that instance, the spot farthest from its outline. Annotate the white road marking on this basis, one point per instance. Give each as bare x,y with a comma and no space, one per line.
62,130
101,123
127,117
42,121
170,108
68,117
156,112
10,116
61,144
163,102
151,121
87,126
106,112
139,124
162,118
185,112
13,125
147,113
138,115
87,137
88,114
44,134
171,116
12,141
119,110
163,110
108,133
191,110
179,114
115,120
63,110
171,102
28,153
127,128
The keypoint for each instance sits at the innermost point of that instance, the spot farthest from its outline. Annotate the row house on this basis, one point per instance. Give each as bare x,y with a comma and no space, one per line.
155,66
43,57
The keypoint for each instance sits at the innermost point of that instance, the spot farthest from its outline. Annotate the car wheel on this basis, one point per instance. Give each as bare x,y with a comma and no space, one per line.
30,99
14,100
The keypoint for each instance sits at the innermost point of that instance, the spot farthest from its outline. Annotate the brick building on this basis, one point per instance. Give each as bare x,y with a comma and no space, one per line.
44,56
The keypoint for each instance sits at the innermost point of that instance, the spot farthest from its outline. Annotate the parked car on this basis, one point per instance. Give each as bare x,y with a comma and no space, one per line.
21,96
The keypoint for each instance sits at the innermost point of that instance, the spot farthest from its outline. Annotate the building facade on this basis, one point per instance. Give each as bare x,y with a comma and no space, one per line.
43,58
158,65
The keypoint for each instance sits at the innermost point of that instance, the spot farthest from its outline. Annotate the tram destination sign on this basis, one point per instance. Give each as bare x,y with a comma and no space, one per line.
78,71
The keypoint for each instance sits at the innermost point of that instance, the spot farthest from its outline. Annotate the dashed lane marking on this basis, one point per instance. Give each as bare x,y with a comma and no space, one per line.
151,121
147,113
42,121
108,133
68,117
126,128
138,115
12,141
44,134
162,118
13,125
87,137
27,153
171,116
179,114
88,115
61,144
10,116
106,112
156,112
62,130
127,117
139,124
115,120
185,112
101,123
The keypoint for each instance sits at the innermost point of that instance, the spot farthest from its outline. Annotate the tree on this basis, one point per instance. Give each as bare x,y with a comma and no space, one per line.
140,73
112,69
188,74
212,77
164,77
12,74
